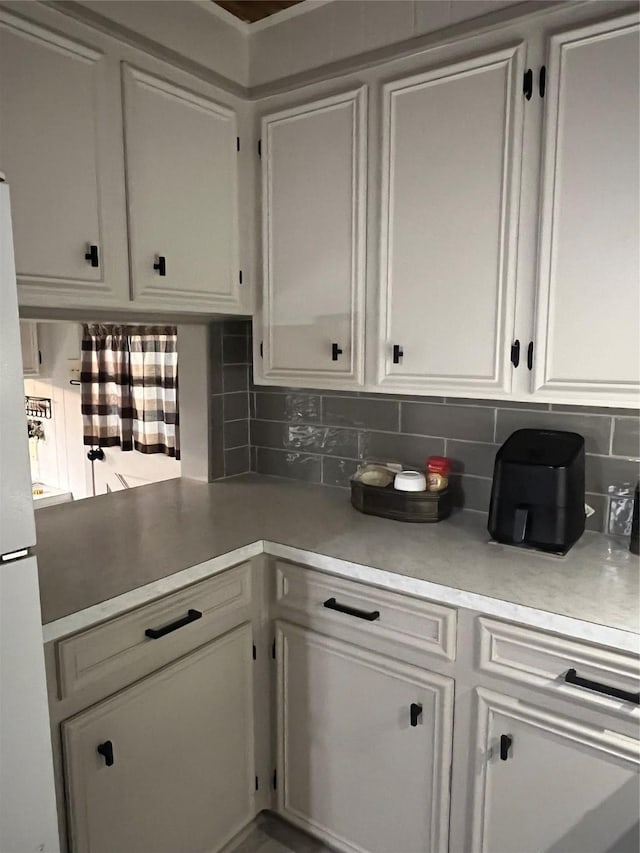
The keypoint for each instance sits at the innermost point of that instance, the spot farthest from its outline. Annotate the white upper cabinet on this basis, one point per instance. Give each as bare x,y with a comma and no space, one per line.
588,299
452,140
313,202
55,134
181,166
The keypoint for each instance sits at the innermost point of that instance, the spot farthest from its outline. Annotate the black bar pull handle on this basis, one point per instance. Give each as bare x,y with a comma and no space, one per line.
161,265
530,355
397,353
515,353
527,84
92,256
505,746
369,616
572,677
542,81
156,633
415,712
106,751
335,352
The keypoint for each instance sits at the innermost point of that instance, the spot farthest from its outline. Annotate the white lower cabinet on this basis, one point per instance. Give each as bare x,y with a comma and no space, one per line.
548,782
364,745
166,765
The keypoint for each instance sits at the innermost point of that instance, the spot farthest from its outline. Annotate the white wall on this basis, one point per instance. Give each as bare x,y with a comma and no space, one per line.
186,28
345,28
61,456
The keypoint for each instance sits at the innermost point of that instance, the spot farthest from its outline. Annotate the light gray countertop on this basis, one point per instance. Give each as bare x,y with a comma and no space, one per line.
107,554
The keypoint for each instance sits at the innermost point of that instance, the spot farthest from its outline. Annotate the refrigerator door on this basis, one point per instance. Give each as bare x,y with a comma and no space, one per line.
28,820
17,525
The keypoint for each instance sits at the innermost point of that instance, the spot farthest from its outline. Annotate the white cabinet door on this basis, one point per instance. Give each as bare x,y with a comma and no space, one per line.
452,140
30,349
175,770
55,141
181,166
587,339
555,785
352,767
313,203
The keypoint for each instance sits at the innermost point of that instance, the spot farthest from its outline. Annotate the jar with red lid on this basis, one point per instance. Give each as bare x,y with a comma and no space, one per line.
438,470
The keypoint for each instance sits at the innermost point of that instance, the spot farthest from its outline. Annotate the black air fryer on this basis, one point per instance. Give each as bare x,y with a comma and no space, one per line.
537,498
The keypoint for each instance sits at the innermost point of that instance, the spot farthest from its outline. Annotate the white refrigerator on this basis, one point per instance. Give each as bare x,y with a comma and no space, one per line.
27,797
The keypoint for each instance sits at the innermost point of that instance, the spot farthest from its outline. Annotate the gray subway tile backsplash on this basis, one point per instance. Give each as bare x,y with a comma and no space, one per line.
626,437
470,457
285,463
338,472
236,461
293,420
321,436
605,474
363,412
236,434
411,450
475,423
301,407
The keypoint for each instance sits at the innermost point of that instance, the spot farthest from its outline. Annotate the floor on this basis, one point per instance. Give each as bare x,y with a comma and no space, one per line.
271,835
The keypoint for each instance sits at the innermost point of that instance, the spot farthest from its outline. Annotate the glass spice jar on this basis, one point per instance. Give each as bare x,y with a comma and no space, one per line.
438,470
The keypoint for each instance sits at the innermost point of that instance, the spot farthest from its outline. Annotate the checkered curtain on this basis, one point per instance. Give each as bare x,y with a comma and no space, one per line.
129,388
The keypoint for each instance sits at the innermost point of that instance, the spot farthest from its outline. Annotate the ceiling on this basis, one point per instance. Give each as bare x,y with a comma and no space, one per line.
255,10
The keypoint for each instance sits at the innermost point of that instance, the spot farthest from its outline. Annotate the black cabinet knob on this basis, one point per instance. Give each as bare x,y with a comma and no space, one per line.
415,712
398,353
92,256
505,746
106,751
161,265
335,352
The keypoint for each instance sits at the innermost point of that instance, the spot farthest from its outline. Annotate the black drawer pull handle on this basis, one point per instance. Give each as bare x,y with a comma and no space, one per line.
371,616
505,746
515,353
415,712
161,265
106,750
398,353
92,256
335,352
156,633
572,677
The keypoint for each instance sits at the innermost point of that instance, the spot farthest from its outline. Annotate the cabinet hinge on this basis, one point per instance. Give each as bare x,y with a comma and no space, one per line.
275,780
527,84
259,148
273,650
542,81
240,276
255,652
237,143
257,784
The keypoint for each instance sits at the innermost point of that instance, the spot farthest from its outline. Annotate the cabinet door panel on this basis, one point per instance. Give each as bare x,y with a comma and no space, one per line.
588,294
354,769
182,776
53,93
565,786
314,231
182,192
451,170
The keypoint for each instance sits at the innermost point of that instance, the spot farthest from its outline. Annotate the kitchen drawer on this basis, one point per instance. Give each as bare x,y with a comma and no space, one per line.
372,612
118,652
537,659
